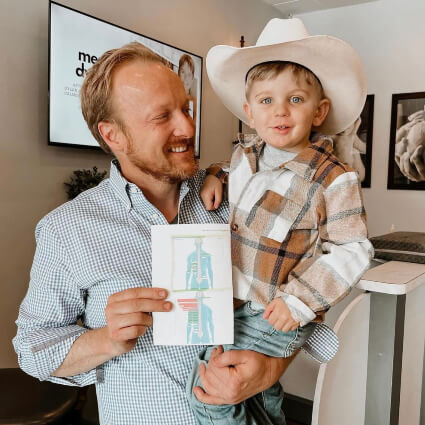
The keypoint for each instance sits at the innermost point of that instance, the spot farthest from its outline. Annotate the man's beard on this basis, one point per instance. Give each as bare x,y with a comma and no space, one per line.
170,173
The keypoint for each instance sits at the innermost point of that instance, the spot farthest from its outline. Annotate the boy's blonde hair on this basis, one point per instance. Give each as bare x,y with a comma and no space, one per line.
270,70
95,94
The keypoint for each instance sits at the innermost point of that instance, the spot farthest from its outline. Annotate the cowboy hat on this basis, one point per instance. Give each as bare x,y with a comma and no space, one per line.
334,62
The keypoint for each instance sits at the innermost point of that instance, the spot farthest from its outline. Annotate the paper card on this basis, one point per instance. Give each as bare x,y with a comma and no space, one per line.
193,261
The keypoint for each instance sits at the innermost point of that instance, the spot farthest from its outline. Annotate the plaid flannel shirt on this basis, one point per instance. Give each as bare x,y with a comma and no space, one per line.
298,230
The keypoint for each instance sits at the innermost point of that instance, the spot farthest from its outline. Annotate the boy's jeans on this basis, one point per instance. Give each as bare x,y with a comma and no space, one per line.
252,332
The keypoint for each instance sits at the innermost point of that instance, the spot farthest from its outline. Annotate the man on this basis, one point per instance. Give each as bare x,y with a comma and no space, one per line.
93,259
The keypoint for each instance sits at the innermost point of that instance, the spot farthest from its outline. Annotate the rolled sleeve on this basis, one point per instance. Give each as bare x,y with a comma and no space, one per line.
41,352
48,316
220,170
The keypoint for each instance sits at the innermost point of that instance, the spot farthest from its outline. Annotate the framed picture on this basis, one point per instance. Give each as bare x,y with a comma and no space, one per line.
76,41
353,146
406,165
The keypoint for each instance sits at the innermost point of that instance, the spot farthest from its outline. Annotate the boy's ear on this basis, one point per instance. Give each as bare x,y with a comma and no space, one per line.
112,135
321,112
248,113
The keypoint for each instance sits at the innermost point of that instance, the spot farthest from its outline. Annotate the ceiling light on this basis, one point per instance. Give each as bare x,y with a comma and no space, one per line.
285,2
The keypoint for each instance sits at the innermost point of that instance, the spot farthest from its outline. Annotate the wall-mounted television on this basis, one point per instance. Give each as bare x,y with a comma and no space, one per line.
76,41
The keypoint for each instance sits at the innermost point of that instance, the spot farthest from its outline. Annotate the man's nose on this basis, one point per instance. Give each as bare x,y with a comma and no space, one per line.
184,125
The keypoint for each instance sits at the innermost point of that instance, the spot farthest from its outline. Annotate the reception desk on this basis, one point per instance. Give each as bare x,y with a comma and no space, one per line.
395,368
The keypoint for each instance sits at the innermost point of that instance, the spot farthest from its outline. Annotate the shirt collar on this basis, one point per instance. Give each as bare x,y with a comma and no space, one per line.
305,164
122,187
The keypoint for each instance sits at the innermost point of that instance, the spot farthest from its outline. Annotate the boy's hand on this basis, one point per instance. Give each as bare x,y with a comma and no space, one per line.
279,316
212,192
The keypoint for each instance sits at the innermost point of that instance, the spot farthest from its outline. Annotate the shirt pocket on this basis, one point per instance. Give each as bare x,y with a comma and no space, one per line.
279,218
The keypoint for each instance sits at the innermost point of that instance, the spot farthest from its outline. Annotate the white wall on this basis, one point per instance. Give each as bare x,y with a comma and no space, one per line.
390,36
32,173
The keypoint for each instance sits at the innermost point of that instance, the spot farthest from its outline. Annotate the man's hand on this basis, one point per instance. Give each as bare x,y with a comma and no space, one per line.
128,314
212,192
279,316
233,376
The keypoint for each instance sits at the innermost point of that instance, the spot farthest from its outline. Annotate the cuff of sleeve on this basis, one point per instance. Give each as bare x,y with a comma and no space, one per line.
50,348
218,171
299,311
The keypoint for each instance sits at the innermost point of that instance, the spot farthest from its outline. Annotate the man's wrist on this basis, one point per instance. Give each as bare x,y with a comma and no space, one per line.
109,347
278,366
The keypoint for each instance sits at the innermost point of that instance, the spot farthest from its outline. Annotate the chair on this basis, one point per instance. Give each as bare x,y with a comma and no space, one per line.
25,400
340,394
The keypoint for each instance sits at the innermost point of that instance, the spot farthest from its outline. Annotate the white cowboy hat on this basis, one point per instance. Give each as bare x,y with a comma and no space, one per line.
334,62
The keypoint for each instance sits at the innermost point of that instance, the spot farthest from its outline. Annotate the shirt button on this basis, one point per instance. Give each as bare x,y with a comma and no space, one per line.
154,216
235,227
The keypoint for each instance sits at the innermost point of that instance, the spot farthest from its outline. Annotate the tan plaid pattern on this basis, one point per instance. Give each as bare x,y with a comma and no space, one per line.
299,229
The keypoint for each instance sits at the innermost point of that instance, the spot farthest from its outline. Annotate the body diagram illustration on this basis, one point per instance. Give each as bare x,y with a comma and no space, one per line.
200,326
199,274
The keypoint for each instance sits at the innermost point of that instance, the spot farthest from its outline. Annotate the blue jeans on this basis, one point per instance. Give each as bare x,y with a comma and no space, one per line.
252,332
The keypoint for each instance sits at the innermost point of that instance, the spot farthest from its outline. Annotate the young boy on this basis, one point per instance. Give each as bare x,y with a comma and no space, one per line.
299,237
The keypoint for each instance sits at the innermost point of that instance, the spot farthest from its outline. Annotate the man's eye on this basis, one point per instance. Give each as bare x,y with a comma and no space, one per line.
267,100
296,99
162,116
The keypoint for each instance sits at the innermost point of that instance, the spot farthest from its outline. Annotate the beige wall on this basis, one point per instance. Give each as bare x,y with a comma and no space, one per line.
32,173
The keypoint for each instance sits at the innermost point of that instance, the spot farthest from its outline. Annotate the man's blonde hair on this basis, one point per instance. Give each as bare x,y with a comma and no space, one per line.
95,94
270,70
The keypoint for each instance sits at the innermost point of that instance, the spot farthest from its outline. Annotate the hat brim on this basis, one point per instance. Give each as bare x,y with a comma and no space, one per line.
335,63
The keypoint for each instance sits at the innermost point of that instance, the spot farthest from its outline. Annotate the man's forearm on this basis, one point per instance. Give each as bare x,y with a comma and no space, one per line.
88,351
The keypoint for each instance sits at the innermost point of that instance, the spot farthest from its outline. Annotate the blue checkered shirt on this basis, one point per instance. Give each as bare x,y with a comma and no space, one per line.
88,249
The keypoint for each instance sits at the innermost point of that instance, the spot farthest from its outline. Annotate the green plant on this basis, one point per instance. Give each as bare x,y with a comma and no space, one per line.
82,180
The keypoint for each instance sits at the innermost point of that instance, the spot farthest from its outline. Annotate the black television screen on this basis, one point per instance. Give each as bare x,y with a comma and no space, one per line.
76,41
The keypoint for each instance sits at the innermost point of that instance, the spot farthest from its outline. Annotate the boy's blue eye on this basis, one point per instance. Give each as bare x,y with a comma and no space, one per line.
267,100
296,99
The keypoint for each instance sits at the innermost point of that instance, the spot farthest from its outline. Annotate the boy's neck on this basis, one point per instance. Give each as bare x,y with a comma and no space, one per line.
272,157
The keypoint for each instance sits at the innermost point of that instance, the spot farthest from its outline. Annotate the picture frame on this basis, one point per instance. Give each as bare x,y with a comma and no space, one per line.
365,132
406,164
76,41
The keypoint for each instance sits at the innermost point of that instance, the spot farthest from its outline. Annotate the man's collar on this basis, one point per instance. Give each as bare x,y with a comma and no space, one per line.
305,164
119,183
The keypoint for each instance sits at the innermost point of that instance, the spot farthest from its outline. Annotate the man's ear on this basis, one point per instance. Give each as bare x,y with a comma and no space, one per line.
112,135
248,113
321,112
